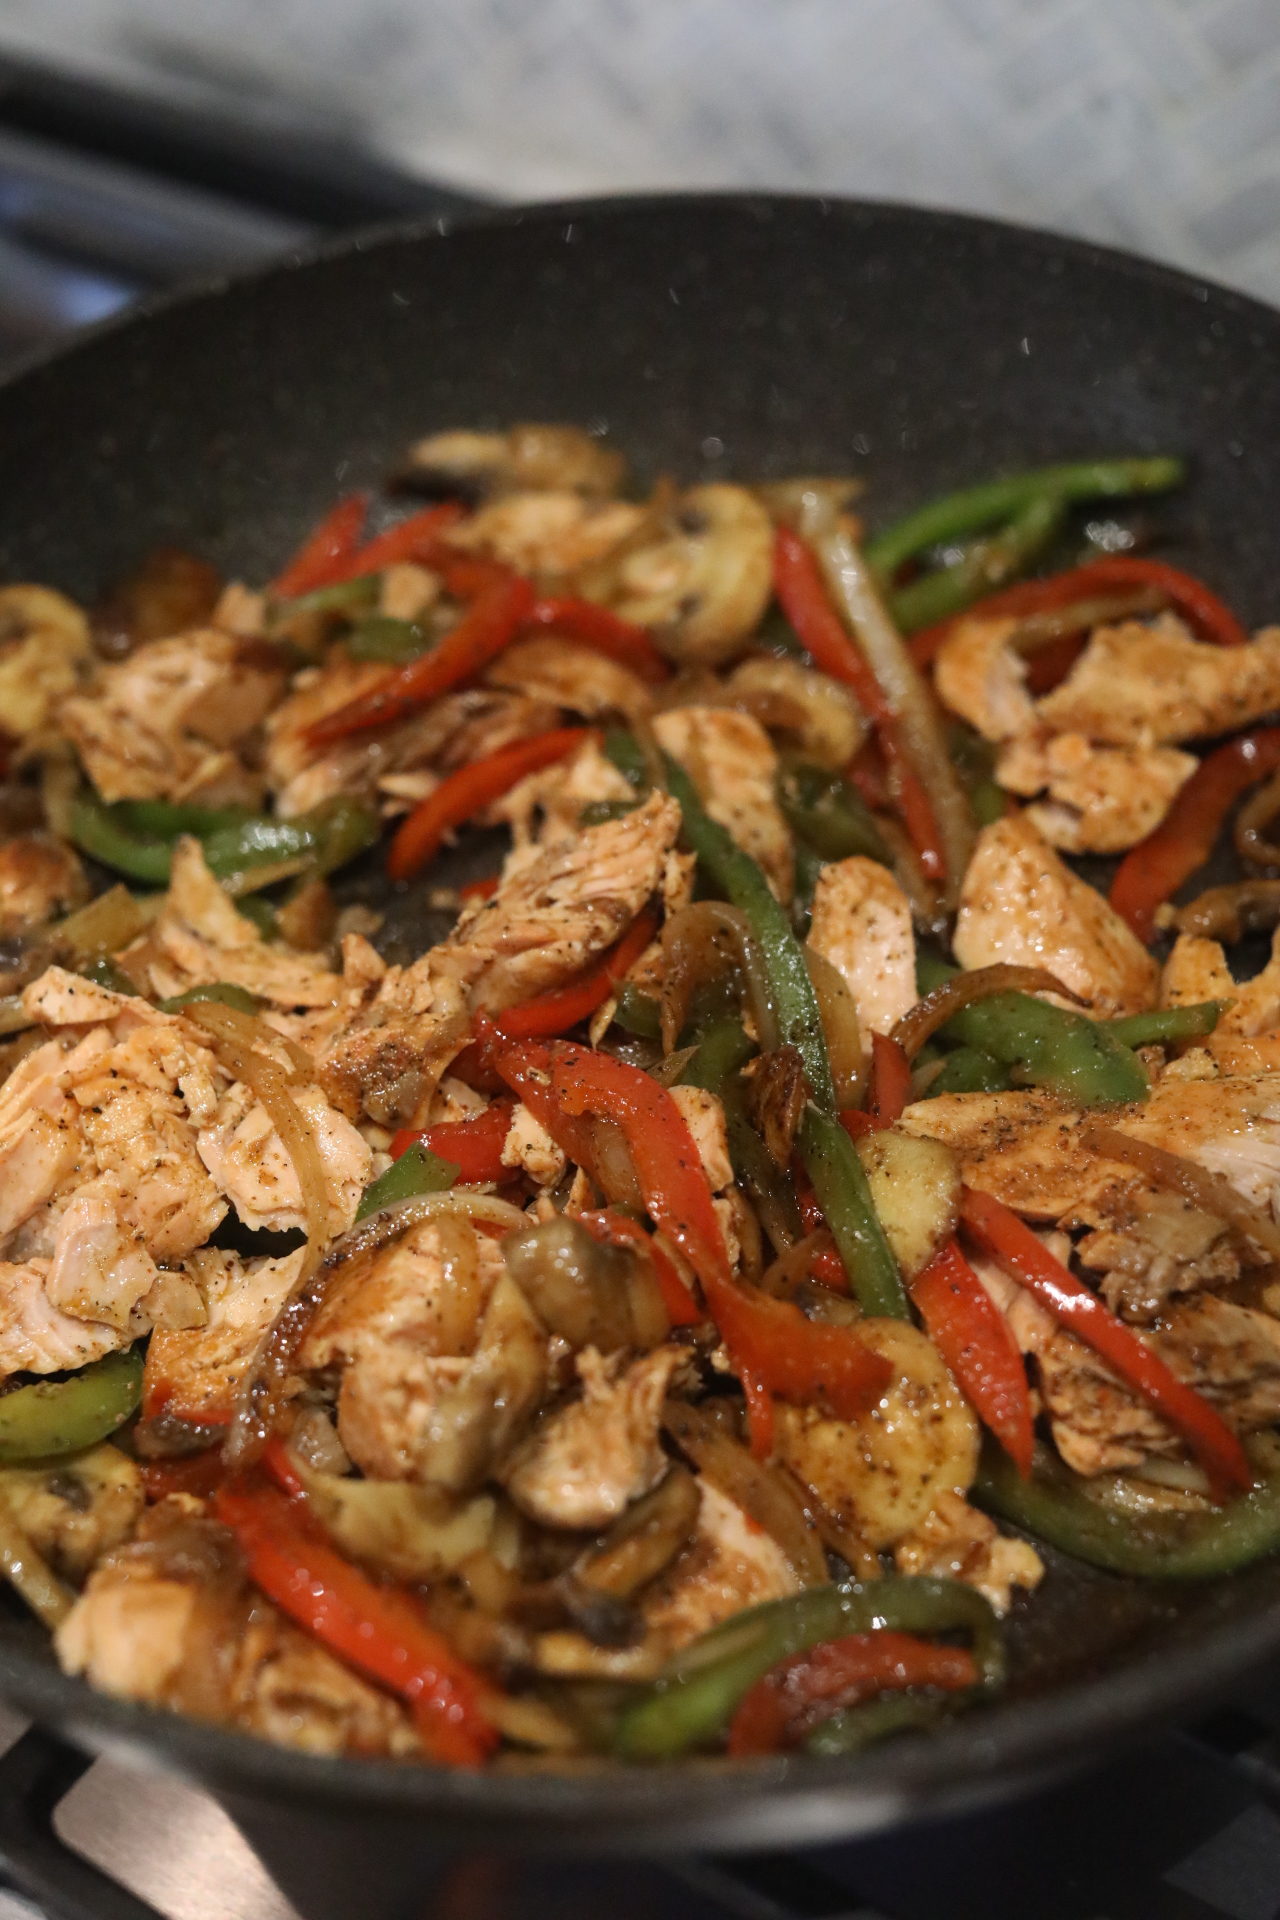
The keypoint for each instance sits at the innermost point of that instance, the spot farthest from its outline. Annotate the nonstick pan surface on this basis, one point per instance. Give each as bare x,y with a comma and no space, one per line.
708,337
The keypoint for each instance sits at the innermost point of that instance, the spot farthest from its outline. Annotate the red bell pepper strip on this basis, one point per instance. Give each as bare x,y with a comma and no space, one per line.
474,1146
489,625
890,1080
555,1013
793,1697
762,1423
1207,616
606,632
803,596
1152,872
973,1337
380,1631
480,889
798,1359
417,538
461,795
320,558
196,1473
620,1230
1017,1251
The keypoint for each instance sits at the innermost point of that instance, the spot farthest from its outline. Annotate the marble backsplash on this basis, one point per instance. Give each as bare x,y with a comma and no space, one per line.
1151,124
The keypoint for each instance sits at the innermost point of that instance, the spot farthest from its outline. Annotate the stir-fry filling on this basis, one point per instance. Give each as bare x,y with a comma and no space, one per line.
674,1309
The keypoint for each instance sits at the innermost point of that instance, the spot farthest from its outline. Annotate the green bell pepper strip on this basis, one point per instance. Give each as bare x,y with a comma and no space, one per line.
692,1702
829,813
327,836
986,566
418,1170
623,751
957,515
969,1070
974,759
1044,1045
828,1153
54,1417
1052,1504
166,819
722,1052
852,1728
379,637
637,1013
105,973
344,596
1167,1025
260,913
225,992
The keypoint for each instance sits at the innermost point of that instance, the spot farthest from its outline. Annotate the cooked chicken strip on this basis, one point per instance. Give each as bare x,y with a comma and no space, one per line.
980,676
546,808
1099,799
573,677
164,724
1021,904
35,1336
584,1464
548,533
730,1563
250,1165
862,924
956,1542
731,761
1143,685
1229,1353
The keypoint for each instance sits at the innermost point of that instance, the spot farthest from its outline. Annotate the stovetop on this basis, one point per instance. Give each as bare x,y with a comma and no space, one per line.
1185,1826
104,197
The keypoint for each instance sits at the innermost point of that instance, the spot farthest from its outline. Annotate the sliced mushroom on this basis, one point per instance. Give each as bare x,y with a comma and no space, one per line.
704,587
485,1412
534,456
44,638
816,715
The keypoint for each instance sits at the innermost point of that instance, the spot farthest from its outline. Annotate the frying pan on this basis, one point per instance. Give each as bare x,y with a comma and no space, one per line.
708,336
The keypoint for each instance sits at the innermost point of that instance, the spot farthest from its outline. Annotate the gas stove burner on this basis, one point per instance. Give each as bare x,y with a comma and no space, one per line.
1185,1827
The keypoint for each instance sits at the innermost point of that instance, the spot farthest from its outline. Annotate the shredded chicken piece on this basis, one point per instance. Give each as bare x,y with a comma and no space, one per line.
165,723
584,1464
196,1374
545,808
529,1147
861,923
1020,904
401,1327
704,1115
199,938
251,1166
550,533
956,1542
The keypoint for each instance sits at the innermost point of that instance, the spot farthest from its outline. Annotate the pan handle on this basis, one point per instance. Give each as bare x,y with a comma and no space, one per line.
36,1774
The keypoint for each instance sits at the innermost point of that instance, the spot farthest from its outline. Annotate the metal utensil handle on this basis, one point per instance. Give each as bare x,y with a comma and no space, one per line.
36,1774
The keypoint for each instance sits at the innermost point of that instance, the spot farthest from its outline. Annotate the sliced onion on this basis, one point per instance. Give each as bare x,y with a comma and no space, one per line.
836,1535
932,1013
759,1490
1036,630
698,944
839,1013
1209,1192
923,736
1229,913
237,1041
791,1268
30,1575
1253,823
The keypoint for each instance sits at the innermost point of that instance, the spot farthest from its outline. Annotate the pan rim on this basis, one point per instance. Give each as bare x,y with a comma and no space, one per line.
800,1798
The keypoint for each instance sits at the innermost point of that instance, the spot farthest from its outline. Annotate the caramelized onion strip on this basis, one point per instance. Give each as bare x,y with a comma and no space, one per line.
761,1491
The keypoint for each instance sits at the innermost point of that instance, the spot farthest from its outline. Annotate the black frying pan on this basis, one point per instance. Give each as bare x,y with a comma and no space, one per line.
709,336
